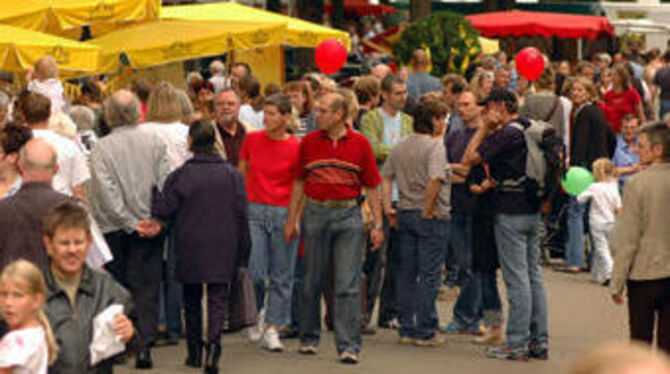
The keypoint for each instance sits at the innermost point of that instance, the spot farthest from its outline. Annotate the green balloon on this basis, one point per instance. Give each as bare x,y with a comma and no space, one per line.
576,180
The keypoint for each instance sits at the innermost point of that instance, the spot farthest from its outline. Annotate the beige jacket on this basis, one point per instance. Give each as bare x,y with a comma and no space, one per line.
640,240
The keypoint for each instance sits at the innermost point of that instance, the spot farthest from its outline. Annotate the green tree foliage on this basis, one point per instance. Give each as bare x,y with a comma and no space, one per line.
452,42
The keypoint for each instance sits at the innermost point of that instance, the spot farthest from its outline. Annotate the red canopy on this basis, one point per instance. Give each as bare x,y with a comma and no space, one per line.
520,23
362,8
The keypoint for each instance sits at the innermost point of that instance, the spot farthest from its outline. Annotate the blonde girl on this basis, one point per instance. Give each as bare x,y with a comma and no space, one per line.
605,205
30,345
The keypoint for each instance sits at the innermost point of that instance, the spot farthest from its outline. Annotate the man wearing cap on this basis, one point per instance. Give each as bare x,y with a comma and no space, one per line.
502,145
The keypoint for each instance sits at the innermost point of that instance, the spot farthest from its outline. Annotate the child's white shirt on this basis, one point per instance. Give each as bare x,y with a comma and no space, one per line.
51,88
605,199
25,350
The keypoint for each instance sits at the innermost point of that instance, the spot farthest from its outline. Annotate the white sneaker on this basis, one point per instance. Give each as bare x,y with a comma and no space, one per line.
271,341
255,333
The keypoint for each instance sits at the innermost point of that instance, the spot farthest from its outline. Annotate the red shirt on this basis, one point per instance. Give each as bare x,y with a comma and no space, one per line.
337,169
618,105
272,166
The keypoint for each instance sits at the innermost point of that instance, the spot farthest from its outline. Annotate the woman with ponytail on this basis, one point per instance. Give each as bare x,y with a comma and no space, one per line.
251,111
30,345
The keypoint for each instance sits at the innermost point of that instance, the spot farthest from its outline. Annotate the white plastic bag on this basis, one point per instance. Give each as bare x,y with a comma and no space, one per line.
105,342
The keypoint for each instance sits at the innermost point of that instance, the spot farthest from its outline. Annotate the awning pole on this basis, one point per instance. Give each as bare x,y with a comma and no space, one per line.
579,48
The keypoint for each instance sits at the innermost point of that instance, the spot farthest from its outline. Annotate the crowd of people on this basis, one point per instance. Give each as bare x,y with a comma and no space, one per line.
379,193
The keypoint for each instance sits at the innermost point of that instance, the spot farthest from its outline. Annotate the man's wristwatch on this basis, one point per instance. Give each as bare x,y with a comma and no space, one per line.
377,226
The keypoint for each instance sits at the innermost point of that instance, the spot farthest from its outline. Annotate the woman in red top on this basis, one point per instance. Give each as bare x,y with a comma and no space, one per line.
269,160
622,99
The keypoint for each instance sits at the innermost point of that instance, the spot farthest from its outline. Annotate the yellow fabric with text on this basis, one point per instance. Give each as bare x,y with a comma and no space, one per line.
20,49
164,41
65,17
300,33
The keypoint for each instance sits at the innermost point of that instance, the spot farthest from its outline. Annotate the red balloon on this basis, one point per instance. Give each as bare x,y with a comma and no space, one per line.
330,56
530,63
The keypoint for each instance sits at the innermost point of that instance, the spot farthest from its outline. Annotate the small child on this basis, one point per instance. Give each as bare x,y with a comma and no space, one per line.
30,345
46,82
605,205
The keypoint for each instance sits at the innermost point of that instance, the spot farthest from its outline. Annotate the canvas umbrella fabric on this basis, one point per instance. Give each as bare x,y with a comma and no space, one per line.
20,49
66,17
163,41
299,33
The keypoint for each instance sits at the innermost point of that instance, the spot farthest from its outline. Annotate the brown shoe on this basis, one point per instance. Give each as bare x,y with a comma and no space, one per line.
435,341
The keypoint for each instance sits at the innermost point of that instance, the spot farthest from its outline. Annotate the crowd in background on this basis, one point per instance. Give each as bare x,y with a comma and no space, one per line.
376,194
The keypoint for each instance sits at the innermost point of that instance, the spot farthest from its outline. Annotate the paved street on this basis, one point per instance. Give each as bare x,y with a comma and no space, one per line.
580,315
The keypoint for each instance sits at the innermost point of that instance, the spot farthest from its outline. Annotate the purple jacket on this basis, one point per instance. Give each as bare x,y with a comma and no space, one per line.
205,204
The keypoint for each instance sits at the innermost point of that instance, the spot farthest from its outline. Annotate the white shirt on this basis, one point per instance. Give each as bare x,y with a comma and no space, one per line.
72,167
219,82
25,350
605,199
175,136
251,117
52,89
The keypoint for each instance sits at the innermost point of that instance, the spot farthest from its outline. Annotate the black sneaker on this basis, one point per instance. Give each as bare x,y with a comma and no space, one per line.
504,352
538,351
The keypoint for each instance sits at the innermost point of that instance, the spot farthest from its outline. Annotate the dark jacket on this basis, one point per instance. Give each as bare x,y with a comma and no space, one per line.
74,328
205,203
21,219
591,136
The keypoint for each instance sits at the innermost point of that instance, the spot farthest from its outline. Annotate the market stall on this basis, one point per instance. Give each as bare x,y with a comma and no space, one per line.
66,17
20,49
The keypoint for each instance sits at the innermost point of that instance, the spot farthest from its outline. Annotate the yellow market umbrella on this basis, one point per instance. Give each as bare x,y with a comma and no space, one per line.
65,17
489,46
164,41
300,33
20,49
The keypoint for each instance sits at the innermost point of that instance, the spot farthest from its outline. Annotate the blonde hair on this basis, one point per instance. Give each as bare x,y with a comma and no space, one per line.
477,83
163,104
63,125
26,273
46,68
603,169
351,103
617,358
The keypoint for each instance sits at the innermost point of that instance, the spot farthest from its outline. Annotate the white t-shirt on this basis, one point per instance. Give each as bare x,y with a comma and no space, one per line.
52,89
605,199
25,350
73,169
251,117
175,136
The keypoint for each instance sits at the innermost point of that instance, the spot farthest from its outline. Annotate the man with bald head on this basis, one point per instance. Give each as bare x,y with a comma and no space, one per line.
336,163
381,71
420,82
128,166
21,215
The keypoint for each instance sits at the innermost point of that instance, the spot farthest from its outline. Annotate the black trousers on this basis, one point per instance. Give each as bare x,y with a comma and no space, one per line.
218,299
138,266
646,300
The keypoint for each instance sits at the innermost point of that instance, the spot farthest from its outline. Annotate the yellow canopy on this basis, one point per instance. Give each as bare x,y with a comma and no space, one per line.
300,33
489,46
60,17
21,48
164,41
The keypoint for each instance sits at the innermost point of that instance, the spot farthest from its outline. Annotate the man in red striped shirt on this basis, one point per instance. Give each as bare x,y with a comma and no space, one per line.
336,164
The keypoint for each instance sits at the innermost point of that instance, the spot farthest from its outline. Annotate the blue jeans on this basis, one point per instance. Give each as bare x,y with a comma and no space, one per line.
467,311
665,108
574,249
171,294
333,236
489,297
421,253
271,258
517,237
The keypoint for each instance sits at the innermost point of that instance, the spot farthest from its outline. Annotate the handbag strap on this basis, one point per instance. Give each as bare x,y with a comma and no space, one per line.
553,109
